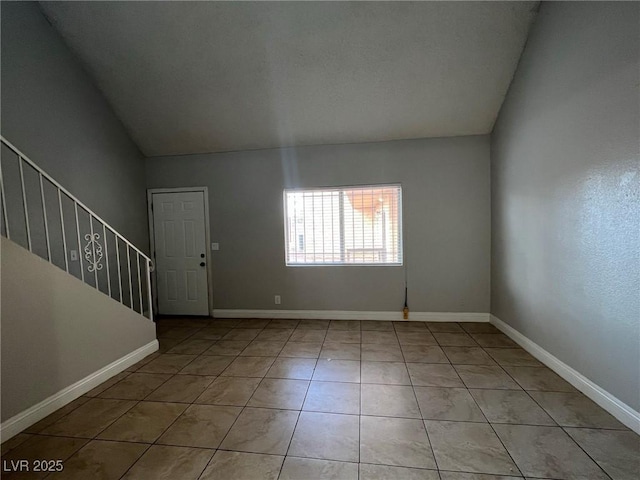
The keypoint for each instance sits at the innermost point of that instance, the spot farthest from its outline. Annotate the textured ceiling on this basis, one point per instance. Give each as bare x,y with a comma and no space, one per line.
188,77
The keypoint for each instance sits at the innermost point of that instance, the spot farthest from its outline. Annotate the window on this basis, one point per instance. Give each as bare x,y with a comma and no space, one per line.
344,226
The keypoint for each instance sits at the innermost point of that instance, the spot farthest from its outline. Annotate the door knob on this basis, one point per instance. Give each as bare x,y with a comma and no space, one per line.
202,264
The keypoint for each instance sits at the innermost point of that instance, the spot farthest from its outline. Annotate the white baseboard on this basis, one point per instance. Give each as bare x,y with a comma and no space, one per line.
352,315
616,407
31,415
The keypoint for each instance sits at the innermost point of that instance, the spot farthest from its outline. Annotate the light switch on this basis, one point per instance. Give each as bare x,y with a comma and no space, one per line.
215,246
74,255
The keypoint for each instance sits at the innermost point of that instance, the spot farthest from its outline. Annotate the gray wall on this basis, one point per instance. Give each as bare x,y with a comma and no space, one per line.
565,193
66,332
446,214
56,116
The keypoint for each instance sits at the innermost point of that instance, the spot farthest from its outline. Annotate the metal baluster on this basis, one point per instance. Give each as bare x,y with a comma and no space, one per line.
4,206
64,237
75,207
149,294
139,282
119,267
44,216
93,250
130,282
106,257
24,203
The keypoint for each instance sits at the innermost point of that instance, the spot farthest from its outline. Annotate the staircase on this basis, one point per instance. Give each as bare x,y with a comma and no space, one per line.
42,216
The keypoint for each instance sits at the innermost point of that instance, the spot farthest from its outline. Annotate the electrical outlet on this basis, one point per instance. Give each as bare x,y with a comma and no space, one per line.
277,300
73,254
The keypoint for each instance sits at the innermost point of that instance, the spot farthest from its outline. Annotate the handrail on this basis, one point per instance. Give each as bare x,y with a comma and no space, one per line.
94,252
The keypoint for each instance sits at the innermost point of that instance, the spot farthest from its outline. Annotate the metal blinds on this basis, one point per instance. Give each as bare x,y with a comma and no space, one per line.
344,226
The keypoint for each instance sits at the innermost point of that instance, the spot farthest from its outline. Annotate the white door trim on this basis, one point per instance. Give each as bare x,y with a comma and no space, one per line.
208,256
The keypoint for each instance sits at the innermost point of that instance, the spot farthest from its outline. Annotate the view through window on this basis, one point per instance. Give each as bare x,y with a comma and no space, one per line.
344,226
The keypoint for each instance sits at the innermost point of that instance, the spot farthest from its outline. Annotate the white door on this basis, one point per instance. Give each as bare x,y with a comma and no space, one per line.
180,253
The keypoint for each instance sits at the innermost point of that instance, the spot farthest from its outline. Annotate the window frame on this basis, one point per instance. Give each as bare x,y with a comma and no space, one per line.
343,188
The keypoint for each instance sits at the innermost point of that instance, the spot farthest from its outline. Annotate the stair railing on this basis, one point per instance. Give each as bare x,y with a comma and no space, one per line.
44,217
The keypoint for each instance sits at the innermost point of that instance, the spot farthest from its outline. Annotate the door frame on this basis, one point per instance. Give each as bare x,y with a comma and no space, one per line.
207,234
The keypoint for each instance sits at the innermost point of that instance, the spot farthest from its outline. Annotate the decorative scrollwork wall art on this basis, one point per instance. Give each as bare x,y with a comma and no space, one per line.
93,252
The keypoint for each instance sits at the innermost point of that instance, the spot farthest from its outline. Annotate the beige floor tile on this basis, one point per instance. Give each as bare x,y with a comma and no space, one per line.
180,333
326,436
333,397
210,365
166,344
513,357
510,406
211,333
469,447
275,335
101,460
295,368
227,347
135,386
261,430
395,441
617,452
376,326
14,442
340,351
279,393
167,363
377,352
94,392
243,466
446,327
143,423
468,356
423,337
389,401
263,349
389,373
225,322
486,376
345,325
162,462
575,410
343,336
410,327
202,426
547,452
447,339
475,476
433,375
239,334
233,391
424,354
308,335
253,323
539,378
494,340
192,346
368,336
309,468
386,472
337,371
282,324
57,415
301,349
89,419
40,447
248,367
314,324
144,361
181,389
478,327
437,403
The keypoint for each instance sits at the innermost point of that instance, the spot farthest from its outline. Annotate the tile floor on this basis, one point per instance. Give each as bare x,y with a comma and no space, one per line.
315,399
